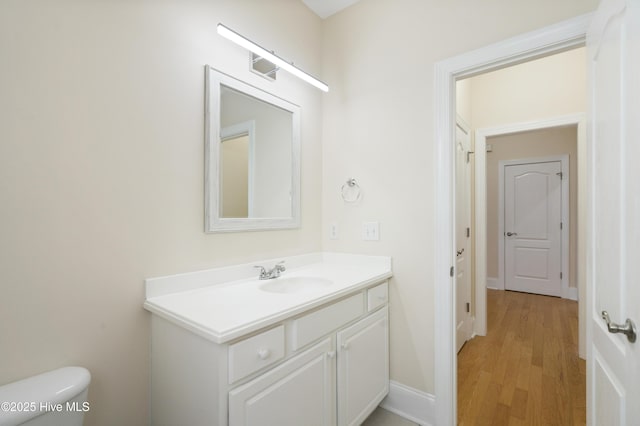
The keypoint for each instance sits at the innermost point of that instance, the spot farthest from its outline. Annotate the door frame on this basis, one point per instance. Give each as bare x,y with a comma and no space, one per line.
564,216
552,39
481,135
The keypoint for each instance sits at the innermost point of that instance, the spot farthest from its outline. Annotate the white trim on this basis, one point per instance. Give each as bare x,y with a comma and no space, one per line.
564,216
555,38
410,403
473,327
214,80
492,283
571,293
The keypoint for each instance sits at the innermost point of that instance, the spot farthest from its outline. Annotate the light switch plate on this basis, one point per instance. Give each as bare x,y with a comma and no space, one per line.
370,231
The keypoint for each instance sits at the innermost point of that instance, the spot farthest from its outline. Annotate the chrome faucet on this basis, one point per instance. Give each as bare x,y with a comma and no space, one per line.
272,273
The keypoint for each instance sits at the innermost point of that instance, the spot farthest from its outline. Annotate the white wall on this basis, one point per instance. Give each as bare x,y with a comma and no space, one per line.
379,57
463,100
548,87
101,173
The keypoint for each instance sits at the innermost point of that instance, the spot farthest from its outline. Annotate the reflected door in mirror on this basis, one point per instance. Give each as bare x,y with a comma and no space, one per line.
234,180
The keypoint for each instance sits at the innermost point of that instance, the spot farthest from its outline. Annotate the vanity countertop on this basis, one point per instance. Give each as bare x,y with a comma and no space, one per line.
225,303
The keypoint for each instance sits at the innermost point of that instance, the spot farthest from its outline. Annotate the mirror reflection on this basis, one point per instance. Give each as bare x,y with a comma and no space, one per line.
252,157
255,157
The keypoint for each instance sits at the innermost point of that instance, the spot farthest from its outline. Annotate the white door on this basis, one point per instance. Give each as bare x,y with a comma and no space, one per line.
363,368
463,246
532,228
613,246
299,392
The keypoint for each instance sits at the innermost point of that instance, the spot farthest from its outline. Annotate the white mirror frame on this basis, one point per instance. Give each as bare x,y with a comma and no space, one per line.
213,222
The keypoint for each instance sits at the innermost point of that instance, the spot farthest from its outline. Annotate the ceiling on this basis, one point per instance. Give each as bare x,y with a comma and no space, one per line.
326,8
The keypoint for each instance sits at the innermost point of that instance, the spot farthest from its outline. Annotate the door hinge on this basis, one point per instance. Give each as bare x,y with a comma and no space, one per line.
469,152
560,225
468,307
468,232
451,272
559,174
560,275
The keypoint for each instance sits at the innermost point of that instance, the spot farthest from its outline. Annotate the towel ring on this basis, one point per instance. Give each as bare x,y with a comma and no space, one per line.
351,191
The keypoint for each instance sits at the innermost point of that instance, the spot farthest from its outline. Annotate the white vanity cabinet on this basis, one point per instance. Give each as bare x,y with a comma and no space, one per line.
363,367
326,366
299,391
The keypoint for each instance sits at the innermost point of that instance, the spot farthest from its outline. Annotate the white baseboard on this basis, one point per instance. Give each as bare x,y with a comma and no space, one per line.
410,403
473,328
492,283
570,293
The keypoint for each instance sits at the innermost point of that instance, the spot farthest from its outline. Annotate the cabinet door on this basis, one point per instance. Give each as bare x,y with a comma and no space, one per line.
363,367
299,392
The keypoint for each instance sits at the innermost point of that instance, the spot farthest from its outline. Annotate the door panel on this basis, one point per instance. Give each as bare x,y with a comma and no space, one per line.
609,393
363,367
532,191
532,263
613,42
463,241
533,237
300,391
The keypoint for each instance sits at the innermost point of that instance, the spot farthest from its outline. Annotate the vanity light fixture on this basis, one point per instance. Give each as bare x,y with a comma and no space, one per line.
271,57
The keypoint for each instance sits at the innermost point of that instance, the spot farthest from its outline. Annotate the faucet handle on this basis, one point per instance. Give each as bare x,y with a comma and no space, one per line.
280,266
263,272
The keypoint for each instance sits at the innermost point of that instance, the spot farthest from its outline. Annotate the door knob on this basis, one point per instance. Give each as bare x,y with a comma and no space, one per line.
628,328
511,233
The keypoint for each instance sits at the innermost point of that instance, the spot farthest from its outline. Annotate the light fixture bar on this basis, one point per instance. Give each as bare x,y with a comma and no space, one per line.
271,57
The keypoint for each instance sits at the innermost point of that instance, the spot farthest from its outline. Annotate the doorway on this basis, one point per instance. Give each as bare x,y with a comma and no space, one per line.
554,131
549,40
539,176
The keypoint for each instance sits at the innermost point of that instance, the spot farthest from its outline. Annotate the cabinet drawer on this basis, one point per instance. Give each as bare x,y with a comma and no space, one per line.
377,296
254,353
315,325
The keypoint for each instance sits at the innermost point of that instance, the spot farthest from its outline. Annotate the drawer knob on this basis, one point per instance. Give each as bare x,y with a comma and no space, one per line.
264,353
331,354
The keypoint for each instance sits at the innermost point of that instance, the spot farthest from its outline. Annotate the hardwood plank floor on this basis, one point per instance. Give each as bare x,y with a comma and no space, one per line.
526,371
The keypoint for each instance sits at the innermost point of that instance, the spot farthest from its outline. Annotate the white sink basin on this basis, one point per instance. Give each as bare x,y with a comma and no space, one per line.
295,284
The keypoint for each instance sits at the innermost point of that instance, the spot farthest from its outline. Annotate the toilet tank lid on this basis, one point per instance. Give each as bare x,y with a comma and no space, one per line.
54,387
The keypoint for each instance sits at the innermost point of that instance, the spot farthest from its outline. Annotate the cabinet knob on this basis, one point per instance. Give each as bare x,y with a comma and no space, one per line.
382,297
264,353
345,346
331,354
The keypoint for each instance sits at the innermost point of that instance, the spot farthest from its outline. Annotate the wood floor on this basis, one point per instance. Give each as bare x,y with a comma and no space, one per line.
526,371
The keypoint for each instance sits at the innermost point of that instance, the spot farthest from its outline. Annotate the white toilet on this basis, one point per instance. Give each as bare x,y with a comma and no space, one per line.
55,398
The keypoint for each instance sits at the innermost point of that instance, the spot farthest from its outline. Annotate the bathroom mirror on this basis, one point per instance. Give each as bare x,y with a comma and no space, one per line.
252,155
